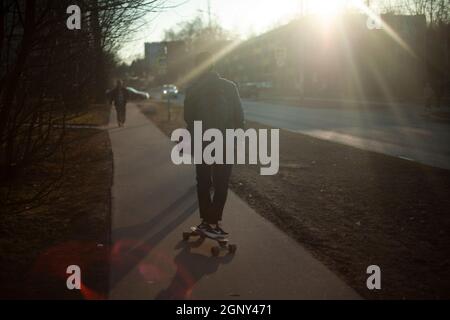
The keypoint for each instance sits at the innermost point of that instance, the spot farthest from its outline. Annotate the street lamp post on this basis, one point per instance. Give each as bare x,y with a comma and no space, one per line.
168,107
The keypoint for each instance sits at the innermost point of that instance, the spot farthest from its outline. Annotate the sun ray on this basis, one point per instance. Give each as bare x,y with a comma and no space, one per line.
349,58
206,64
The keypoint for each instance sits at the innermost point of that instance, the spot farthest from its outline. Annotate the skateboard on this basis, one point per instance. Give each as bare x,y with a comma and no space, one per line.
223,243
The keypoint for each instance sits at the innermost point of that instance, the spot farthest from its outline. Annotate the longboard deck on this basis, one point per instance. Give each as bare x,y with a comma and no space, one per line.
222,242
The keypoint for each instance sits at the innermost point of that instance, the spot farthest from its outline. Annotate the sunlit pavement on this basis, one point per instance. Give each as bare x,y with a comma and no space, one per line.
154,201
399,131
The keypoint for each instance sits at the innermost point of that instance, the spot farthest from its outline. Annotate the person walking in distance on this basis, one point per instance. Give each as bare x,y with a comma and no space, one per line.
216,103
119,95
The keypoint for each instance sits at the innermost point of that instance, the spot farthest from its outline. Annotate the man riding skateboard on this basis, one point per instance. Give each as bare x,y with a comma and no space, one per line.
215,101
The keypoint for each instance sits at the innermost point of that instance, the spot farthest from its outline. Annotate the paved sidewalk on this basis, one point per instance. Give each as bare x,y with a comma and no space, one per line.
154,201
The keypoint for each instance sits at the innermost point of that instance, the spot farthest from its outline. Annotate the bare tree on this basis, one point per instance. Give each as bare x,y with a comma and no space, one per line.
197,32
48,71
436,11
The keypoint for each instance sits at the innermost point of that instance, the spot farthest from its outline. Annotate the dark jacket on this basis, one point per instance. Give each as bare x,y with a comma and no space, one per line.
214,101
113,95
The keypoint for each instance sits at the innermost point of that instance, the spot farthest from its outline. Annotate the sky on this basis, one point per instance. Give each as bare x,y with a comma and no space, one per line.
242,17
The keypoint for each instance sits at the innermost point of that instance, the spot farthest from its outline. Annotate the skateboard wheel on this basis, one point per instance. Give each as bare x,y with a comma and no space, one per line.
186,236
223,243
215,251
232,248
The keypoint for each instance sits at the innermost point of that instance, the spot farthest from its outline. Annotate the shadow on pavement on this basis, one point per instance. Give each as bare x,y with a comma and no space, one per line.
130,244
191,267
142,229
112,128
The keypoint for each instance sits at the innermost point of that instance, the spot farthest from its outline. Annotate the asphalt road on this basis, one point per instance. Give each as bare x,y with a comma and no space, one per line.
401,131
398,130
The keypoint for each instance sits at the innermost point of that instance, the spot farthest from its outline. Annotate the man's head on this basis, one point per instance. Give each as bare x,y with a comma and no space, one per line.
119,83
204,62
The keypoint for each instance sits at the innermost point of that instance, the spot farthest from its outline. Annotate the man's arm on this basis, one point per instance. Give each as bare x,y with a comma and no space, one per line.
239,120
126,94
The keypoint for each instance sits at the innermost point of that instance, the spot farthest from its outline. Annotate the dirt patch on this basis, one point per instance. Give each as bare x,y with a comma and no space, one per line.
353,208
158,112
70,227
94,115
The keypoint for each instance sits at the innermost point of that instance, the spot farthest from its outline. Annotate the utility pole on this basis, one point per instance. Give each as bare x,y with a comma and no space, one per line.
209,13
301,68
301,7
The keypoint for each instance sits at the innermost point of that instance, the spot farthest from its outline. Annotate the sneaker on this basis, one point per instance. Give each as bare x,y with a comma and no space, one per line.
202,226
214,233
221,231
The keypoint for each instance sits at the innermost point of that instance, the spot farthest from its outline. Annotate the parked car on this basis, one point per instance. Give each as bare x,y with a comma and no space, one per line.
169,91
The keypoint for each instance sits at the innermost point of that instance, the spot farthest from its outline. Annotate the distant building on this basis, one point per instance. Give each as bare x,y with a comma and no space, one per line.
166,60
155,57
177,60
349,57
171,61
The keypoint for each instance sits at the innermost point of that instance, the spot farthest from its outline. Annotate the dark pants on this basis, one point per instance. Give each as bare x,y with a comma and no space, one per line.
121,114
216,176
